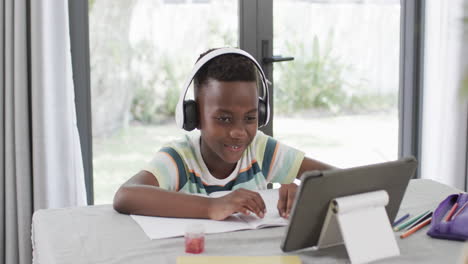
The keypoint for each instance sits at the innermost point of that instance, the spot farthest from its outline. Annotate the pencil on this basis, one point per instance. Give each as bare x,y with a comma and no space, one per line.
420,220
459,210
409,222
416,228
450,213
400,220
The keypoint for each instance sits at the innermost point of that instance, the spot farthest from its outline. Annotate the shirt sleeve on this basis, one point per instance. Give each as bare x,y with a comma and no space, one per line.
166,166
280,163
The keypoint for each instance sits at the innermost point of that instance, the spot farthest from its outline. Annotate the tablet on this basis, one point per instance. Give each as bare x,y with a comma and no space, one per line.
318,188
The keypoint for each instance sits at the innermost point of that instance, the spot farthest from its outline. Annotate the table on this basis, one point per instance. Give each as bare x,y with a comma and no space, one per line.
98,234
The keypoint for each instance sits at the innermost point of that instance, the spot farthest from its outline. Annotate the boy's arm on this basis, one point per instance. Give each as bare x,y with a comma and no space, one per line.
141,195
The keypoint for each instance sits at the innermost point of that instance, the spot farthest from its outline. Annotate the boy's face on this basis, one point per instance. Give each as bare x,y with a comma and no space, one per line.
228,120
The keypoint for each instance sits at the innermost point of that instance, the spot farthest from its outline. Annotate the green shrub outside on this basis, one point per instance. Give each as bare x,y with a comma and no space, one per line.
323,83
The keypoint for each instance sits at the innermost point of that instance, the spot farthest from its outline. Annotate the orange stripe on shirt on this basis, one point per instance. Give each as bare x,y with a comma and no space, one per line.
199,176
248,168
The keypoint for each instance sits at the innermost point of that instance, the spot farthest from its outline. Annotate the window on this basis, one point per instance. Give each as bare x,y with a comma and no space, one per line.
342,88
131,104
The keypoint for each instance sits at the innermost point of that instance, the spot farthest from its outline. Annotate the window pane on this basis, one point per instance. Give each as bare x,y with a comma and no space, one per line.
141,53
338,100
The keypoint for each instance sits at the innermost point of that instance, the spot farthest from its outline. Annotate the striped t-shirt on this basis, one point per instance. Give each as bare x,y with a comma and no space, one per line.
179,166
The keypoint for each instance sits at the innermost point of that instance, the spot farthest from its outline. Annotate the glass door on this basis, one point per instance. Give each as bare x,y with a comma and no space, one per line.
338,99
141,52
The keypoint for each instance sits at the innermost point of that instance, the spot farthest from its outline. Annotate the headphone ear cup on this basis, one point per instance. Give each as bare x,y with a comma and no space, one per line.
262,114
190,115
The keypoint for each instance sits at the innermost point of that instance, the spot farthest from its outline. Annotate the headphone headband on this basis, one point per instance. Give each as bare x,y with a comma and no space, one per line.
179,113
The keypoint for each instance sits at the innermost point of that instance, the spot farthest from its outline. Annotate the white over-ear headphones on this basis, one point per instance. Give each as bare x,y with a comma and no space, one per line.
186,111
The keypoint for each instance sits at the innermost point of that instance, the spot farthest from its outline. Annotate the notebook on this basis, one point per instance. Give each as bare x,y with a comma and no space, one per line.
164,227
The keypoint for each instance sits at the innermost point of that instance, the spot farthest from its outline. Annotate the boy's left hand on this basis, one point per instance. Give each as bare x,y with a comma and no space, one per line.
287,193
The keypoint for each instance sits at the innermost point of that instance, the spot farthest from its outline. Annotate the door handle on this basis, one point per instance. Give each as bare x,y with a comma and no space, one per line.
270,59
277,58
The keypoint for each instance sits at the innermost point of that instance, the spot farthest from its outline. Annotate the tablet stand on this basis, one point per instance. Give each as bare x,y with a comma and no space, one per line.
361,223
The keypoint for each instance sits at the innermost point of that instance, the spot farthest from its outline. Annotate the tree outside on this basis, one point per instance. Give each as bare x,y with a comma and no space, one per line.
141,51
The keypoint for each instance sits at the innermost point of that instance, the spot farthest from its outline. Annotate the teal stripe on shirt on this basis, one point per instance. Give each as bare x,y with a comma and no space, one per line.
243,177
268,156
180,166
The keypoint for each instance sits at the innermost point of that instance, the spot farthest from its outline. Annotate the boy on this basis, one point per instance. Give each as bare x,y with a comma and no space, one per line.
228,154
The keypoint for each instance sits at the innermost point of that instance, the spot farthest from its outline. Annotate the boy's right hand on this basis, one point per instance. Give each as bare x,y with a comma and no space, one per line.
238,201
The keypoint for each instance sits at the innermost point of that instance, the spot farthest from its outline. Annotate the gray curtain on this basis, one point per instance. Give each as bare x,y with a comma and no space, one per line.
41,160
16,202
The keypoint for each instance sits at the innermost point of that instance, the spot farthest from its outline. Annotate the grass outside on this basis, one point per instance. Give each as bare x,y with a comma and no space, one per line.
342,141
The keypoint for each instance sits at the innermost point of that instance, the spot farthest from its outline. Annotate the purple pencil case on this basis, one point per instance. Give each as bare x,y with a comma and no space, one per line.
457,227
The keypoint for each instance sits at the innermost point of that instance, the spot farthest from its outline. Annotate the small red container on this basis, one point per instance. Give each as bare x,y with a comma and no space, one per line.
195,245
194,239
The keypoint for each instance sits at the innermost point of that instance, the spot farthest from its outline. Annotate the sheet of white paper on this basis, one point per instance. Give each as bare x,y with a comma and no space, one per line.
164,227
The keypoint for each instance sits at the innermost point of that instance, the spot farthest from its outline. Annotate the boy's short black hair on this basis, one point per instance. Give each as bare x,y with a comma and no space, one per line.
226,68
